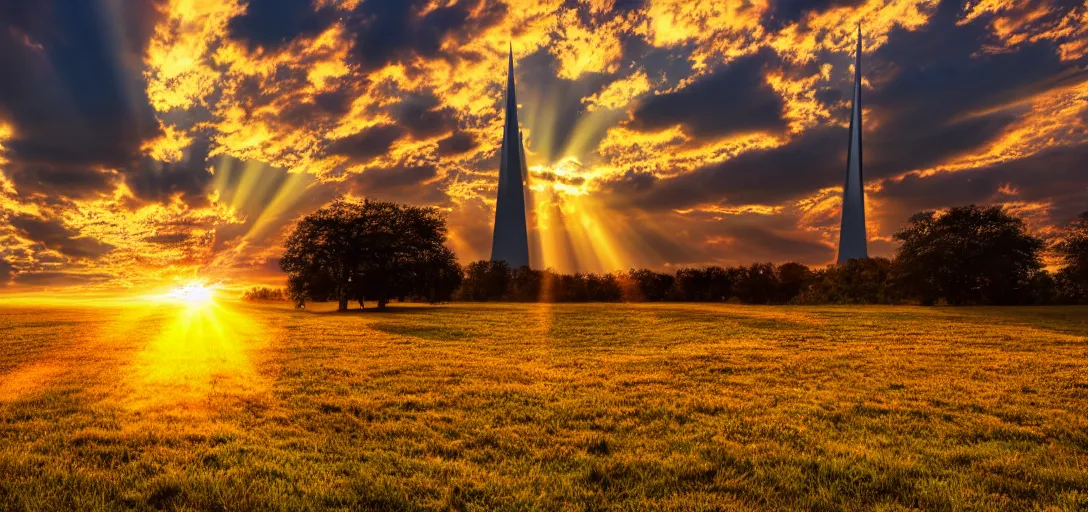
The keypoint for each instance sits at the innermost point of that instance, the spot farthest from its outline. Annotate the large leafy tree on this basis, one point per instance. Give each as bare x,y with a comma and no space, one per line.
1073,248
486,280
967,255
369,250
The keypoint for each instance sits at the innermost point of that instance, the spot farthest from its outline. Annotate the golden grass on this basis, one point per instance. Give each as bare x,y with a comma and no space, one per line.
541,406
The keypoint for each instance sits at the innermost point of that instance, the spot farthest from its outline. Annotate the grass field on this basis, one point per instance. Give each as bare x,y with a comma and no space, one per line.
549,407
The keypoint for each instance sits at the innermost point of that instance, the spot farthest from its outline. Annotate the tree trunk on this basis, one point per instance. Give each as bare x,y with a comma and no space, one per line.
382,303
344,289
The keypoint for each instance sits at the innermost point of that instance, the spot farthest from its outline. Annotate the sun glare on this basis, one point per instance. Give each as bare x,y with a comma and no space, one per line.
200,348
194,294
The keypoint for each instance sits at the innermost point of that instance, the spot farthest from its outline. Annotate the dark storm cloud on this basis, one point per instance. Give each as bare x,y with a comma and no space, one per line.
813,161
733,99
54,235
742,239
761,244
334,102
159,181
890,153
937,97
69,89
457,144
417,116
784,12
367,144
931,107
398,177
388,31
423,116
60,278
657,62
400,184
631,182
7,272
60,182
273,23
628,5
1056,176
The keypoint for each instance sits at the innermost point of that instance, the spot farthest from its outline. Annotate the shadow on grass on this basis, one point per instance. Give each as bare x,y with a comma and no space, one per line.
425,332
390,310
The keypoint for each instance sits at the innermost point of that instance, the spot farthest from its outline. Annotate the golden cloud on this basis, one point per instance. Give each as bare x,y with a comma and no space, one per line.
836,29
179,72
1026,22
267,107
582,49
722,31
1054,118
619,93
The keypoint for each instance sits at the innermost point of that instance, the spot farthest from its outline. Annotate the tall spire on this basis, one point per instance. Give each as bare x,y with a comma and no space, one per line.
511,240
852,231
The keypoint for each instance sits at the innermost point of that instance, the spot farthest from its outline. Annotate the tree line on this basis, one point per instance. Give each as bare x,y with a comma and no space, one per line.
265,294
969,255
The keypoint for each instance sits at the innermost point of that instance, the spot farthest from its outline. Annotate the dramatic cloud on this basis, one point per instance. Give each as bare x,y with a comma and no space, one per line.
54,235
7,272
158,140
735,99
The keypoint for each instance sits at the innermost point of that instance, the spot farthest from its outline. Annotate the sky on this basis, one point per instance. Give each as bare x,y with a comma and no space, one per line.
145,142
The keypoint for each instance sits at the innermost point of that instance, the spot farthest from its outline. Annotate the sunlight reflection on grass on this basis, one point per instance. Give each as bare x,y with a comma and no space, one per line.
201,351
26,380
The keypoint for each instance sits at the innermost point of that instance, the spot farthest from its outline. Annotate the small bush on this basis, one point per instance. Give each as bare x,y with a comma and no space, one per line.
265,294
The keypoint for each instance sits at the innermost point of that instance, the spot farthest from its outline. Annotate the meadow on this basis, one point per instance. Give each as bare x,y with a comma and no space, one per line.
543,407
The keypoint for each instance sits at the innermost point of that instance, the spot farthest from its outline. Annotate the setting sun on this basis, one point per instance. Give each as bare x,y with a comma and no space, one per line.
192,294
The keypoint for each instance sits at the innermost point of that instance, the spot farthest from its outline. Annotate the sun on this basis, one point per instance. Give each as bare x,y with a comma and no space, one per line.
194,294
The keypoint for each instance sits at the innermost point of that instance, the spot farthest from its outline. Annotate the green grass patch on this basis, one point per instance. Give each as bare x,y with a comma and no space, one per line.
544,407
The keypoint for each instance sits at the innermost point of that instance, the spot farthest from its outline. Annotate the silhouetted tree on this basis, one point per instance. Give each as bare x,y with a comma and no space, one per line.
524,285
857,281
756,284
485,280
690,285
649,285
572,288
602,288
369,250
551,286
1043,289
263,293
793,278
969,255
1072,279
436,276
301,288
707,284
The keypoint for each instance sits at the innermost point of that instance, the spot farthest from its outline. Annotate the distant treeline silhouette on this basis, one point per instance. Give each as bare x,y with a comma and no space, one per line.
265,294
968,255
